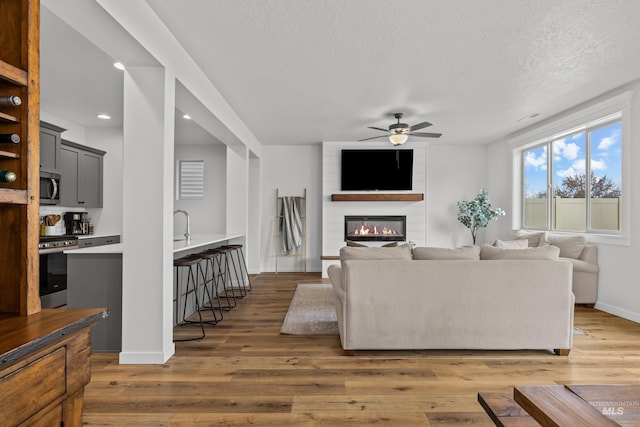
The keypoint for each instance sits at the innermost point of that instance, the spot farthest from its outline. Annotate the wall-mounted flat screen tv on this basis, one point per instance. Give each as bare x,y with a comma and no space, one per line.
376,170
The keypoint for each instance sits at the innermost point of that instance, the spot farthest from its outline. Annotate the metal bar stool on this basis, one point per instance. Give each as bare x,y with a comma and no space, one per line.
220,278
203,305
188,264
226,252
211,280
243,263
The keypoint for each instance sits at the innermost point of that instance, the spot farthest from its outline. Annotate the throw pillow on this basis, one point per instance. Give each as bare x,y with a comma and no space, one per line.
535,238
360,245
488,252
570,246
462,253
512,244
402,252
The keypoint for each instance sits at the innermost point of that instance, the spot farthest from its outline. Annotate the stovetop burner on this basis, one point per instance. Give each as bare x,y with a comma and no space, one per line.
49,244
58,238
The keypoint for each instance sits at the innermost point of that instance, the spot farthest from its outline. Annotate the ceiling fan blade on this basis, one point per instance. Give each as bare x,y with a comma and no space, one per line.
426,134
383,130
374,137
419,126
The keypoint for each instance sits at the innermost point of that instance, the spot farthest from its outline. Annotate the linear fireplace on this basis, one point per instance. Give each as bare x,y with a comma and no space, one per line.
375,228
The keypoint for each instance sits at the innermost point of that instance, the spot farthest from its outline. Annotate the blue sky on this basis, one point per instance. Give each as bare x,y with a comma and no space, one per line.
569,158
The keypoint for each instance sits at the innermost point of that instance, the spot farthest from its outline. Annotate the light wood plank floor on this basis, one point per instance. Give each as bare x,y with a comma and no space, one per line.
245,373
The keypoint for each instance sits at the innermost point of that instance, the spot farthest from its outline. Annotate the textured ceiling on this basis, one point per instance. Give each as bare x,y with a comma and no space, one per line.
300,72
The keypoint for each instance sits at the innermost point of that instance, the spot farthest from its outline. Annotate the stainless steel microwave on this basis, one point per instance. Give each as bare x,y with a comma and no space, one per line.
49,188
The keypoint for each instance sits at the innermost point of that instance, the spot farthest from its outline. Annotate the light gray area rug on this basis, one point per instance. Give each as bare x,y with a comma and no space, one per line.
312,311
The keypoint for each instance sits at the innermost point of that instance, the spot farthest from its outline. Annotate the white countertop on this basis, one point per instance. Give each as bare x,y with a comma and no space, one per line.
196,241
199,240
94,236
115,248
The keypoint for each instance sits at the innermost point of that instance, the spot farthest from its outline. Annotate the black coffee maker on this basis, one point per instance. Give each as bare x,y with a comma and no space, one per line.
74,222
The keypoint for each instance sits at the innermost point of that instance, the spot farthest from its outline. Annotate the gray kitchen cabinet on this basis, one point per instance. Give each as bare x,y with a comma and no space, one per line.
50,140
81,175
95,280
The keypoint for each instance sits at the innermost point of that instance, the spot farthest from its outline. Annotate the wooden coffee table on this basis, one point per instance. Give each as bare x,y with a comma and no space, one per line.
565,405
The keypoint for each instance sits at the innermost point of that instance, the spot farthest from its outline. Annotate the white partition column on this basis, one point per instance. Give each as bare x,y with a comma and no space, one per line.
237,189
148,132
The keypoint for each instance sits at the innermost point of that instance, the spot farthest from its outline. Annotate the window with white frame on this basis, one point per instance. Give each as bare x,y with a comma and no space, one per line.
569,176
190,179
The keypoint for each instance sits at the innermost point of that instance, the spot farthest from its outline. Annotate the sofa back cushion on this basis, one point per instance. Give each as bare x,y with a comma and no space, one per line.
535,238
570,246
488,252
511,244
402,252
471,253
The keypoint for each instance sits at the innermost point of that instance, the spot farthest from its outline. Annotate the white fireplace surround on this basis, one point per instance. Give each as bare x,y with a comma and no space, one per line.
333,213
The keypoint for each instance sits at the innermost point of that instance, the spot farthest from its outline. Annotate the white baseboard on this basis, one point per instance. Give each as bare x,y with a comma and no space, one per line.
146,358
617,311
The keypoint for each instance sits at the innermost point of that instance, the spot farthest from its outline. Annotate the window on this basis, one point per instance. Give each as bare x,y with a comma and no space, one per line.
572,175
190,179
557,193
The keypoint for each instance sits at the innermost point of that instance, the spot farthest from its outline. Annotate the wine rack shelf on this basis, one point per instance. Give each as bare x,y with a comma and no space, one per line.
13,74
9,155
8,118
14,197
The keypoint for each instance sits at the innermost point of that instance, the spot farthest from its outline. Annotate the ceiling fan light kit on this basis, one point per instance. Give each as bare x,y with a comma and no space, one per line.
399,132
398,138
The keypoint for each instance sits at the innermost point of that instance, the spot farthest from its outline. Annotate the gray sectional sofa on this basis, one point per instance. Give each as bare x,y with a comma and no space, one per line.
432,298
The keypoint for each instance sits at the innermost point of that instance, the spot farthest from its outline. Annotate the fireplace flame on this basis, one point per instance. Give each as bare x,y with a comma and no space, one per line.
366,231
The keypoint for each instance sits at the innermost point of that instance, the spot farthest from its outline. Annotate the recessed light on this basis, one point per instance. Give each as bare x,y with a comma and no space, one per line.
104,116
119,65
186,116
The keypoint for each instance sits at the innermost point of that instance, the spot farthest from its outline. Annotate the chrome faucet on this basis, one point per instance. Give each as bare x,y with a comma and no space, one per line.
187,235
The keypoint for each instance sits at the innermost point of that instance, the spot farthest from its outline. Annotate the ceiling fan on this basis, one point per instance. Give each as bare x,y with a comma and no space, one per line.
398,133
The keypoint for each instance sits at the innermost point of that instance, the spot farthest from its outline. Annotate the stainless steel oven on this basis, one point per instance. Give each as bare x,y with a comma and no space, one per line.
53,269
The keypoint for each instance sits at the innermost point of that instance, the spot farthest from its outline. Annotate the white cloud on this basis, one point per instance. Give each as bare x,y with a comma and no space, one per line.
608,141
598,164
537,162
566,172
566,150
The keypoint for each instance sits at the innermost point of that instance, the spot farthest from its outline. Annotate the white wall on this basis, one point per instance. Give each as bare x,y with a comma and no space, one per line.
445,174
333,213
291,169
618,291
208,215
108,219
454,173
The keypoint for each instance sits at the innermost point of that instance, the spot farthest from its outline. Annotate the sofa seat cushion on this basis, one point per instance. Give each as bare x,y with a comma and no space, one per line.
470,253
488,252
582,266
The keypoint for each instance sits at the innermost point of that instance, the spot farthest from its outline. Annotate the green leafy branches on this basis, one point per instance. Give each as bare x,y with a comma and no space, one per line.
477,213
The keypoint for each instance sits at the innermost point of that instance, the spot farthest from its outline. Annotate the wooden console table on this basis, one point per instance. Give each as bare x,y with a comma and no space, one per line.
45,365
558,405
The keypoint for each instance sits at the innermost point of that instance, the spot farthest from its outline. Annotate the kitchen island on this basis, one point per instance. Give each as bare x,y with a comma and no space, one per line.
95,280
